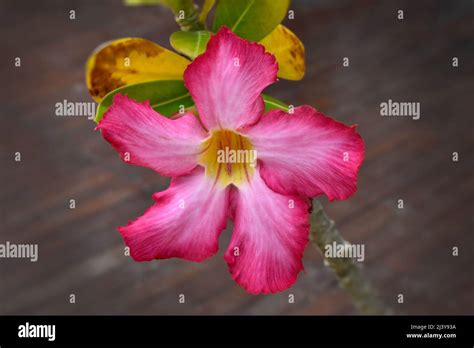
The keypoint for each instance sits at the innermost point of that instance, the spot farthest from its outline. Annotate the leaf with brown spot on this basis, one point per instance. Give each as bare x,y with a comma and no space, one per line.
128,61
250,19
288,50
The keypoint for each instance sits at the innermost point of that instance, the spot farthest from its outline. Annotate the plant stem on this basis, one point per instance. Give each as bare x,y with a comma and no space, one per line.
186,14
349,274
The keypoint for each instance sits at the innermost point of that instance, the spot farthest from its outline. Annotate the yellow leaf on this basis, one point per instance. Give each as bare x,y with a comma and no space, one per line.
128,61
288,50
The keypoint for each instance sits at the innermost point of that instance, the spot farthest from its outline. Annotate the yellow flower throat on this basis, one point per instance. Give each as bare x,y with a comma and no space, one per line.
229,157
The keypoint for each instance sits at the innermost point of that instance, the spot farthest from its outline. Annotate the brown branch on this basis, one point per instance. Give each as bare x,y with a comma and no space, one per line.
349,274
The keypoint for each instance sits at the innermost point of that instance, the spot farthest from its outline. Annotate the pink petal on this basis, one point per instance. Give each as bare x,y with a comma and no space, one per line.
269,237
307,153
144,137
226,95
185,221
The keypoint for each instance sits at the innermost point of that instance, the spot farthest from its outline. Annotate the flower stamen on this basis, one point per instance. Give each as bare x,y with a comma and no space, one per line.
229,157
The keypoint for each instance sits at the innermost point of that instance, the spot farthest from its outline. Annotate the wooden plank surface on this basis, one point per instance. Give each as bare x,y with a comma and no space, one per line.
408,251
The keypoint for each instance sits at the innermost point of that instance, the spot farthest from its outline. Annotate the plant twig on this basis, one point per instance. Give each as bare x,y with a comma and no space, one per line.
186,14
349,274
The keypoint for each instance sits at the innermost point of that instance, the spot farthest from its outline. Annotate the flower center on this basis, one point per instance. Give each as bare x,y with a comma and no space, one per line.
228,157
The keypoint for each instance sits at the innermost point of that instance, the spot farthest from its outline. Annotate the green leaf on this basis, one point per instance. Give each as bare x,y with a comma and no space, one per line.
272,103
190,43
165,96
250,19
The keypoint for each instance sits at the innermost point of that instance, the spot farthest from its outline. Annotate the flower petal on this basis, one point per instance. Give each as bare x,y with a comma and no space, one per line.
226,81
145,138
185,221
307,153
270,234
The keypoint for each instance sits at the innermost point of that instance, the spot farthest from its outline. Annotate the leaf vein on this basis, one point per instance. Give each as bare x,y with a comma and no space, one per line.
250,4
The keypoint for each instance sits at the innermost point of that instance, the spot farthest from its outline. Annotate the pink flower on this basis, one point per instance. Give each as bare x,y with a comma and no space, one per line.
300,155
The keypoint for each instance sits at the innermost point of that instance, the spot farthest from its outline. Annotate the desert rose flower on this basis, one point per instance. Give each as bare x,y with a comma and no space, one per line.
299,156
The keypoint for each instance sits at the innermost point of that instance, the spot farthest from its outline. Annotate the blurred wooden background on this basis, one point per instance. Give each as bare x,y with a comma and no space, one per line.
408,251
